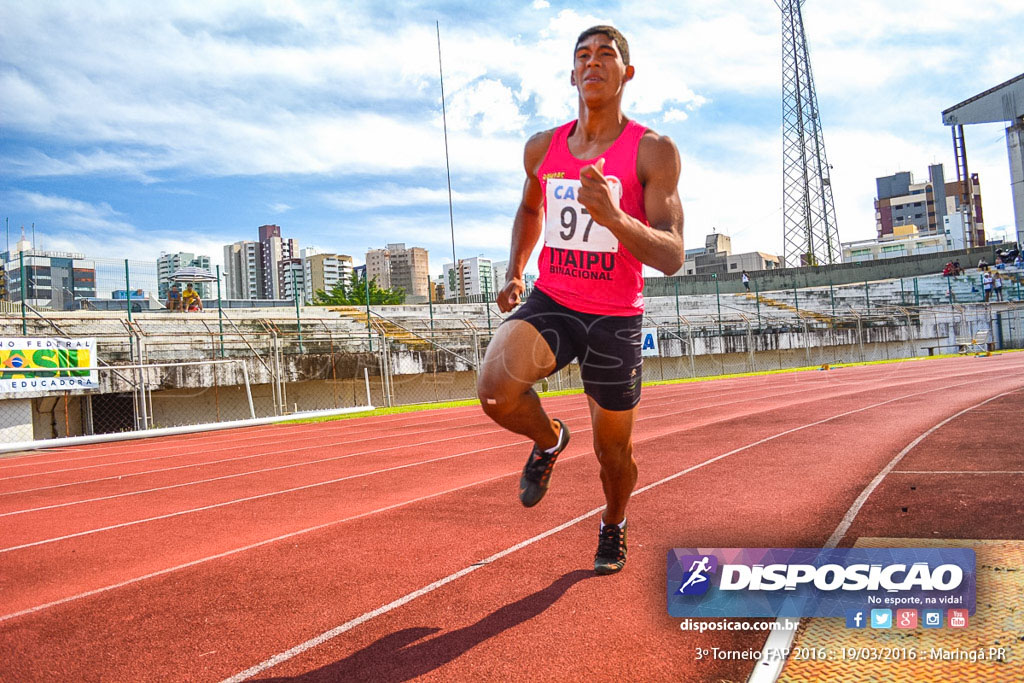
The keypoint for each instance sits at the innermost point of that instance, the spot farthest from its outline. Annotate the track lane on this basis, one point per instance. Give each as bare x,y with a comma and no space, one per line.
455,513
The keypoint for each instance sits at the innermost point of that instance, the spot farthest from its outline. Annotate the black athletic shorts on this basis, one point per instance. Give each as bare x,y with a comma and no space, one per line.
606,346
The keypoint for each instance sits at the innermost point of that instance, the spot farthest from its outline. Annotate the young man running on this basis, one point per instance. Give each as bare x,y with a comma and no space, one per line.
602,192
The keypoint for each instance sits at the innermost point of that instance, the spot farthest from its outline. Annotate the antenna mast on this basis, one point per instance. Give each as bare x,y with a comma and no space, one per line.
809,232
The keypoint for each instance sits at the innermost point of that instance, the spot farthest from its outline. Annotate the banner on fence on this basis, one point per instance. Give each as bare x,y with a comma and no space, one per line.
649,341
32,364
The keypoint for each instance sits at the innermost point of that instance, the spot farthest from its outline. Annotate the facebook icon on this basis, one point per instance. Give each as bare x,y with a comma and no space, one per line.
856,618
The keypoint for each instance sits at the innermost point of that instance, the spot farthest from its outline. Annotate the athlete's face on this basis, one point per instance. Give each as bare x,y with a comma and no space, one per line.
598,70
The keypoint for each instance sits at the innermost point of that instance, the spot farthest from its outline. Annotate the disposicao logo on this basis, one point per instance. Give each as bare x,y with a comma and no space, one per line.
810,582
696,579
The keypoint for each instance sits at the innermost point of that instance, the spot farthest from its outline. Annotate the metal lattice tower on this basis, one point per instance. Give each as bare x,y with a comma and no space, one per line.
809,214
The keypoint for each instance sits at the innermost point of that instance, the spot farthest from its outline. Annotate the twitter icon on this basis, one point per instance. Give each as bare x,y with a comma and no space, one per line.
881,618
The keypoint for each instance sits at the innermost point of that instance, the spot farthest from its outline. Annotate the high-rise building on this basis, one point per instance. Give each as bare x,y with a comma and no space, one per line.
472,276
275,251
399,267
905,208
243,271
53,279
293,282
167,264
323,271
378,267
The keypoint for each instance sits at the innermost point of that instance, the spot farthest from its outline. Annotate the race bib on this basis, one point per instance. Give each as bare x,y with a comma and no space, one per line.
568,225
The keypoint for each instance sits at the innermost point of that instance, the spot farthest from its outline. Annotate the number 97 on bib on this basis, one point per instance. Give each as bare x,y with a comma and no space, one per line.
567,223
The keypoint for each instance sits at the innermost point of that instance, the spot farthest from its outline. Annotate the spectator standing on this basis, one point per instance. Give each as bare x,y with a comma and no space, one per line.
746,281
997,285
986,284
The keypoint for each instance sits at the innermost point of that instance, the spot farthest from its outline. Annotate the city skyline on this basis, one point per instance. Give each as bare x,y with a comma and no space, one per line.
190,125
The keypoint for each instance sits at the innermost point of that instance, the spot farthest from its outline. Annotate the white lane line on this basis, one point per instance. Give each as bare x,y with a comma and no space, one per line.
958,472
241,500
255,545
331,481
320,460
251,472
769,668
384,609
235,551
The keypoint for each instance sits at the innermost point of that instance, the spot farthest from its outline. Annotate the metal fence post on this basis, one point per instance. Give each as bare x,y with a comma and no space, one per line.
867,298
298,316
796,300
487,305
750,345
369,327
128,290
689,340
430,304
24,322
917,294
678,326
807,342
757,302
832,297
860,336
718,298
220,315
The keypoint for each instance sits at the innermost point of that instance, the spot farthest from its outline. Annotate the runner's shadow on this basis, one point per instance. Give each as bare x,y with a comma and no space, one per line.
399,657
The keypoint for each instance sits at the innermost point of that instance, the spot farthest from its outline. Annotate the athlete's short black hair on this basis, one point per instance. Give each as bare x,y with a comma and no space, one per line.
611,32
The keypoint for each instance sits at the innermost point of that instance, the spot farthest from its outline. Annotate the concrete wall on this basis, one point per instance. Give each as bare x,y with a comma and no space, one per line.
16,420
822,276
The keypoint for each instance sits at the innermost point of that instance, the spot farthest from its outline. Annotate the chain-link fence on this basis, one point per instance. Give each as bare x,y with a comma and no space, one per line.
157,369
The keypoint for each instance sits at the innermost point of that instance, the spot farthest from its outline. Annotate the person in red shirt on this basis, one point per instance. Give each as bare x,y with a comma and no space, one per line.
602,192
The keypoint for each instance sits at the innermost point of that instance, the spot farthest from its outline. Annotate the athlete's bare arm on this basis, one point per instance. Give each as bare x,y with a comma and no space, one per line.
658,171
528,224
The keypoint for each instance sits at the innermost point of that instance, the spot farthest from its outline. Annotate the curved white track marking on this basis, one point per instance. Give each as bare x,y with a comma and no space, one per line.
257,455
333,481
768,668
384,609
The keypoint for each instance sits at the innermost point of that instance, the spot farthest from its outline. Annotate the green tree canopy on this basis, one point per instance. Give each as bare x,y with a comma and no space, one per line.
353,293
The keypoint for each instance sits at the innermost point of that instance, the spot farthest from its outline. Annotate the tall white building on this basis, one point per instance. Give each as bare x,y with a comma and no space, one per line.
243,271
321,272
168,263
276,252
293,281
472,276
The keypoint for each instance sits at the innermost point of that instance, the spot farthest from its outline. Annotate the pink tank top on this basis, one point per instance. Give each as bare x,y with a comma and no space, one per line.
603,278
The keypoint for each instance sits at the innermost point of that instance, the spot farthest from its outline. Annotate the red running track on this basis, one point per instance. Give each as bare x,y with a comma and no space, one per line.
392,548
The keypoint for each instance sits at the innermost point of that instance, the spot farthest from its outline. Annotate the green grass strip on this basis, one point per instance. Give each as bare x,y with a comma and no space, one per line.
416,407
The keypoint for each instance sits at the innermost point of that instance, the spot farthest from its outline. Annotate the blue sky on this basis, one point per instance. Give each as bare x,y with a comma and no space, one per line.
127,129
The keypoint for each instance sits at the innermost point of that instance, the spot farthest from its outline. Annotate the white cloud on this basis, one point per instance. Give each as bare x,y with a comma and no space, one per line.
675,115
349,92
393,195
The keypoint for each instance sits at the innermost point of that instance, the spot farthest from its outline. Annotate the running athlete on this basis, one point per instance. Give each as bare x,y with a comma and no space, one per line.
601,191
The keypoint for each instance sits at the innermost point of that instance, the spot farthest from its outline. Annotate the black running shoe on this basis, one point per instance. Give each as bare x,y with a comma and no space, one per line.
537,473
611,549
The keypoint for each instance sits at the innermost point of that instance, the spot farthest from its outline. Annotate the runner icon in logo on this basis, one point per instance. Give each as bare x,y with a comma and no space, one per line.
697,574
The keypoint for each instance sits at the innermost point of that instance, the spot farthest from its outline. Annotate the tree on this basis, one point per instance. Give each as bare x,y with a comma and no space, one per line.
353,293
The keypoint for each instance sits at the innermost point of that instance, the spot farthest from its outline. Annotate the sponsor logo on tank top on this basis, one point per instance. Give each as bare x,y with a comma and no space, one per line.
585,265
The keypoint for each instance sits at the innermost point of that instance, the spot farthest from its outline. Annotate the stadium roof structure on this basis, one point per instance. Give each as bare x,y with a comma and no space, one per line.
1004,102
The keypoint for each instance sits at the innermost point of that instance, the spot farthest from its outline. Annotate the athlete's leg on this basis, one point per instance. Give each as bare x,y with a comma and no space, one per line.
613,444
516,359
